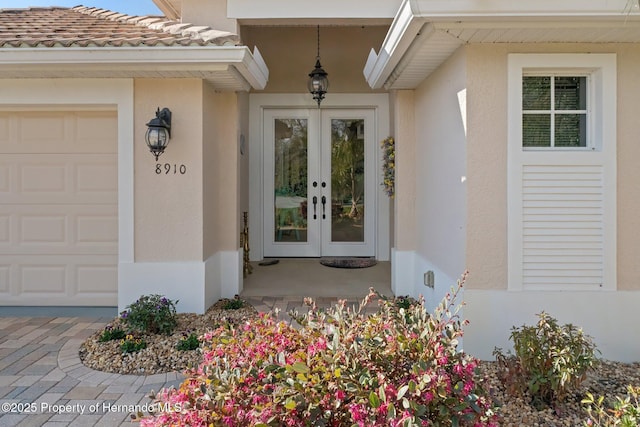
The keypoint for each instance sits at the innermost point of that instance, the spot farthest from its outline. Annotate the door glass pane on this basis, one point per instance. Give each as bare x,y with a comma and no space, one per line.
290,189
347,180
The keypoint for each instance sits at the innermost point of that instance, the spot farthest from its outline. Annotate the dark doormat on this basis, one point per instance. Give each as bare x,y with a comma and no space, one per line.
348,262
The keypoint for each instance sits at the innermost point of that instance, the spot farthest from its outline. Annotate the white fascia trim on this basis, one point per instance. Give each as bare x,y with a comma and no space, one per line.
416,21
465,9
404,29
197,58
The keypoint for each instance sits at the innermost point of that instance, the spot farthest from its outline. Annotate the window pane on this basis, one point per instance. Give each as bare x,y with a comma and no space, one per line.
536,93
536,130
571,130
570,93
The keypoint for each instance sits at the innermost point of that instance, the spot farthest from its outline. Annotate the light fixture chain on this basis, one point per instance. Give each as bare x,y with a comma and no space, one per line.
318,56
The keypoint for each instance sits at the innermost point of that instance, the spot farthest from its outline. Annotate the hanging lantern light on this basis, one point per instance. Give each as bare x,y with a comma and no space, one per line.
318,83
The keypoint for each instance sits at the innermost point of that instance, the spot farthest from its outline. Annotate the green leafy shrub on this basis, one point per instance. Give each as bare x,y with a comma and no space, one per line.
131,344
398,367
152,314
550,360
233,304
623,412
188,342
111,333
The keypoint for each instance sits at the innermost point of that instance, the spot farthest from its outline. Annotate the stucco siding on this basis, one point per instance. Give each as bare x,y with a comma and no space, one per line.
628,172
487,160
487,167
490,307
440,176
441,167
221,172
168,206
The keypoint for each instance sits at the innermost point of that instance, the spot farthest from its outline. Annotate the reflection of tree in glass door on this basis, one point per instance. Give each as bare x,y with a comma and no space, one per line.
290,180
347,180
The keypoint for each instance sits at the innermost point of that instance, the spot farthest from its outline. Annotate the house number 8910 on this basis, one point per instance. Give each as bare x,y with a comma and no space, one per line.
168,168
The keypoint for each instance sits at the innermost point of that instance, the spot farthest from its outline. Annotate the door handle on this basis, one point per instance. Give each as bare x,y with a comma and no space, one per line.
315,203
324,202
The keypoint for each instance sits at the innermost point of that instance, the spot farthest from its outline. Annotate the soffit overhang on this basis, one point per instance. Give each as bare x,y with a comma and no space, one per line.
425,33
227,68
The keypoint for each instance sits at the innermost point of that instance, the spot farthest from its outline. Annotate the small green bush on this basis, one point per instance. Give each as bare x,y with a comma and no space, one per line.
188,342
152,314
550,360
624,412
234,304
131,344
111,333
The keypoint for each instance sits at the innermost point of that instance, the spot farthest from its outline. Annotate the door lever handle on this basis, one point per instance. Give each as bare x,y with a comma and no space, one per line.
315,203
324,202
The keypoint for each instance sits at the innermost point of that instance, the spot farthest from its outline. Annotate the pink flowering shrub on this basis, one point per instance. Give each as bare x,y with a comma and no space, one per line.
398,367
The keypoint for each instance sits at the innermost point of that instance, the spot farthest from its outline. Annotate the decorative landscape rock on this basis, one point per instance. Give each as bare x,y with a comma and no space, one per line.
161,354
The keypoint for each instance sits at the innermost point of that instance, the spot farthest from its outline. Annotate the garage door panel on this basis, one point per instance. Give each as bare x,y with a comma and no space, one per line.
59,280
70,229
95,131
96,278
99,176
58,132
97,230
5,276
43,278
44,230
5,230
5,179
58,179
58,207
37,178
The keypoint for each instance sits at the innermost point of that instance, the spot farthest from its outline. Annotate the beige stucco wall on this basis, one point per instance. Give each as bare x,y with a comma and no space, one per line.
168,207
290,54
440,168
487,159
221,172
628,172
212,13
403,103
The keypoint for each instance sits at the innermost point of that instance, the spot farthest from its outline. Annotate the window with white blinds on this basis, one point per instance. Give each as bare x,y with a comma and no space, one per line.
562,172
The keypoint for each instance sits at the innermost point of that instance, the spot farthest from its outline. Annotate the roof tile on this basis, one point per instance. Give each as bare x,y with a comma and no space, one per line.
82,26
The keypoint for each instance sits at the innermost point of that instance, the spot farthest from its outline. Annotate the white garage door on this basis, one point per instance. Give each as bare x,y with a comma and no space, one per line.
58,208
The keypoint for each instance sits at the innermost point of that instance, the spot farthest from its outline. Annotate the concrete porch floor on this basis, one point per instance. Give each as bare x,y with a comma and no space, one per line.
306,277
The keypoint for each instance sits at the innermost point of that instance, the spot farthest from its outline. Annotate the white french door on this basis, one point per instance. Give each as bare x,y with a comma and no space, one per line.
319,182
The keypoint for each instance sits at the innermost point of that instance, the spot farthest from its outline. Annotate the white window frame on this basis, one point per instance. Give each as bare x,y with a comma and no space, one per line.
601,69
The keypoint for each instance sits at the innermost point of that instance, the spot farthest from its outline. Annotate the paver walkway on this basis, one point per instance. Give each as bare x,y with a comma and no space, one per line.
43,382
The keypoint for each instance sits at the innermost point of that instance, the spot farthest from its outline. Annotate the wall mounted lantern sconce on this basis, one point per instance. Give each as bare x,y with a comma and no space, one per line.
318,83
159,132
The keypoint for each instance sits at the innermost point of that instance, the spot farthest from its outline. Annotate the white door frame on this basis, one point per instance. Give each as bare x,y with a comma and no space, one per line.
258,103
